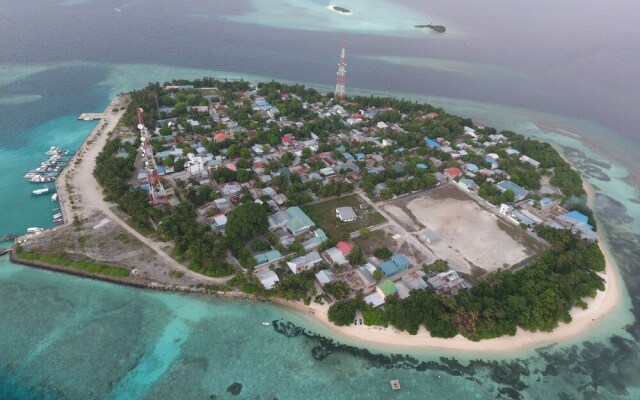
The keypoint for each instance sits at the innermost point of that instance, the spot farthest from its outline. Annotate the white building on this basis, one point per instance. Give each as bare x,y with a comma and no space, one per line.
268,278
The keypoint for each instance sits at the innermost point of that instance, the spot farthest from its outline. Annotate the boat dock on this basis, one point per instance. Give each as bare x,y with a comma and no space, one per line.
90,116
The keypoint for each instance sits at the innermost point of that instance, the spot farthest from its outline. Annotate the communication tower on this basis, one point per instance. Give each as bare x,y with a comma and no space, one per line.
157,194
341,79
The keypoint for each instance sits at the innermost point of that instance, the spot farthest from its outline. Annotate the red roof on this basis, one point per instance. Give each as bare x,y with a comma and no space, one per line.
221,137
453,171
287,138
344,247
232,167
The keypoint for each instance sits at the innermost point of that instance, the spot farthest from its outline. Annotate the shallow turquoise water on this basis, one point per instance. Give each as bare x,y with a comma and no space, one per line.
66,337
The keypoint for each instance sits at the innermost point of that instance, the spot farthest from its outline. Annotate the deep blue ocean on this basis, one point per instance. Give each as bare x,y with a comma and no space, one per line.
566,72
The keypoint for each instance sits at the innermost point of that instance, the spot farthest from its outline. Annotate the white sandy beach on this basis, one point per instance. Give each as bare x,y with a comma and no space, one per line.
602,305
583,321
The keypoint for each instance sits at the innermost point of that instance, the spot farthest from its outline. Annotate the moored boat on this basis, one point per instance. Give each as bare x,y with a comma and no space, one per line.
39,192
54,197
58,221
35,230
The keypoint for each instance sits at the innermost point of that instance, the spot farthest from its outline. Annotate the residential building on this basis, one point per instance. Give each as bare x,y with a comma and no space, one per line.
325,276
386,289
520,192
394,265
346,214
334,256
267,278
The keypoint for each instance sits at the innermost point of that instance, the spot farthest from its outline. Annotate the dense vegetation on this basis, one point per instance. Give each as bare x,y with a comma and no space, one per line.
535,298
435,28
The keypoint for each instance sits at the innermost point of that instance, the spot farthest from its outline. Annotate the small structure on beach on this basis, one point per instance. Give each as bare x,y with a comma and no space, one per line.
395,384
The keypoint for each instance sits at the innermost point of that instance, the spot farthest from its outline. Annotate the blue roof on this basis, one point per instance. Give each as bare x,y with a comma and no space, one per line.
431,143
389,268
348,156
545,201
577,216
400,260
489,160
360,156
471,167
517,190
421,166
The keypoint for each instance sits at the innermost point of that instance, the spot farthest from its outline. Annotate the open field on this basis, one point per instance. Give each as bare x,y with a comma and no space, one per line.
472,239
100,240
324,215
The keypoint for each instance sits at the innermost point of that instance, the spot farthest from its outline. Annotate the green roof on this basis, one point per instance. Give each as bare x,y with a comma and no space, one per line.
267,257
388,288
298,220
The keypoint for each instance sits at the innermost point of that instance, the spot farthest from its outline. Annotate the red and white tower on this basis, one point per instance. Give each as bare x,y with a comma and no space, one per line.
157,194
341,79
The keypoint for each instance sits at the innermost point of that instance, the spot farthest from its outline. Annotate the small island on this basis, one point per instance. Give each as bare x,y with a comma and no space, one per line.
341,10
435,28
374,212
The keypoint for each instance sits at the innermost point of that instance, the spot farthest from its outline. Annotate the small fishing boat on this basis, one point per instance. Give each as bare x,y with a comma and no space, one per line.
35,230
266,323
42,191
6,238
54,198
58,221
58,215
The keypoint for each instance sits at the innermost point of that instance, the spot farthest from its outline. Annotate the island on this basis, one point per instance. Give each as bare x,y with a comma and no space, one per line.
341,10
369,213
435,28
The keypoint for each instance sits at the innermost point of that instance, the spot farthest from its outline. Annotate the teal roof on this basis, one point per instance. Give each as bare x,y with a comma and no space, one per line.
267,257
298,220
320,234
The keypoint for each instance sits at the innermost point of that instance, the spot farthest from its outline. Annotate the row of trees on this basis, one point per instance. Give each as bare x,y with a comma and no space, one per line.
535,298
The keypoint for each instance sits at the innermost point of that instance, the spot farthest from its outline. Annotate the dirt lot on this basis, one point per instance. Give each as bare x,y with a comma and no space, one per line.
101,240
470,236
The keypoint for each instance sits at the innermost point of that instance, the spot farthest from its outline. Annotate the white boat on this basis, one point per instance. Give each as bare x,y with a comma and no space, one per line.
54,197
266,323
39,192
58,215
35,230
53,150
31,174
41,179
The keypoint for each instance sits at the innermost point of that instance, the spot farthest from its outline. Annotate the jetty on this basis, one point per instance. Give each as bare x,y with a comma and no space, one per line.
91,116
4,251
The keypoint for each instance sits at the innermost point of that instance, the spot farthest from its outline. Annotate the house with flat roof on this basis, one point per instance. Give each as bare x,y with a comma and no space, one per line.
346,214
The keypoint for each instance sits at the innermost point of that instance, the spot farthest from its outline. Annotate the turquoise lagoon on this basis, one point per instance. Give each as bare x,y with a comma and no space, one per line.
67,337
